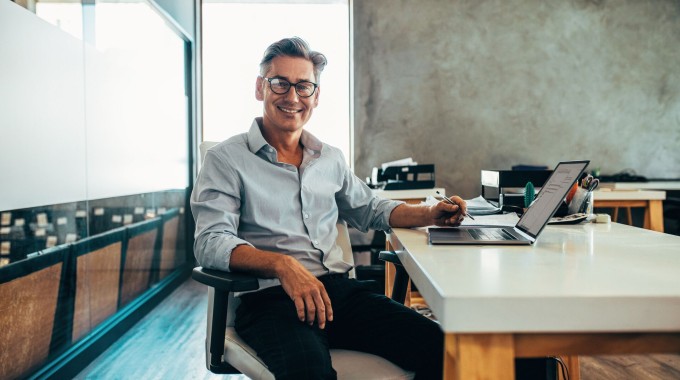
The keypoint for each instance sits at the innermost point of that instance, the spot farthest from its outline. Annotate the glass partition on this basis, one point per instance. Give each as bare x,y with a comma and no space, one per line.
94,147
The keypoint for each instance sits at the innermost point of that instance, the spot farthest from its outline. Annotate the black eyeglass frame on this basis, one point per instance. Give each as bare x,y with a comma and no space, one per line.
291,85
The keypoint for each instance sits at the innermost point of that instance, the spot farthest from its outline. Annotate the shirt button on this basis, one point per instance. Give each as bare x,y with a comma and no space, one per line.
316,242
306,216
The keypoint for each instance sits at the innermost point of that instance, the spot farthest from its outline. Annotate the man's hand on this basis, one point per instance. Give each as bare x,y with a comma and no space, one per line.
440,214
307,292
446,214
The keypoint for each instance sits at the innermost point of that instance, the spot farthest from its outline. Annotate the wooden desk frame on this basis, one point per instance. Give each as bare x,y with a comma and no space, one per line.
653,219
491,356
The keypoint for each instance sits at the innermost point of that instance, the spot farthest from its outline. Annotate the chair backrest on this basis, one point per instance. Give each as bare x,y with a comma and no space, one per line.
205,145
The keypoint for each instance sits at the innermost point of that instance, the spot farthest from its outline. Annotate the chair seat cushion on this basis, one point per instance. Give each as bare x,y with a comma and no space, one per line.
348,364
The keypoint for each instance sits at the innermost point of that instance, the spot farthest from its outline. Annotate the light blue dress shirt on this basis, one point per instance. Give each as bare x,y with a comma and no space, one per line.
243,195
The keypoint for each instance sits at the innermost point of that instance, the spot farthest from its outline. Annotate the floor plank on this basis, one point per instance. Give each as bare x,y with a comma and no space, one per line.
169,344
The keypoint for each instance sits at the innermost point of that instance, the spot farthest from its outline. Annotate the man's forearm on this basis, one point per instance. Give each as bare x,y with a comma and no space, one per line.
406,215
263,264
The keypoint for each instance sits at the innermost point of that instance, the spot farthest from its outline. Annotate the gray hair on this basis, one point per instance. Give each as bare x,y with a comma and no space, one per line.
293,47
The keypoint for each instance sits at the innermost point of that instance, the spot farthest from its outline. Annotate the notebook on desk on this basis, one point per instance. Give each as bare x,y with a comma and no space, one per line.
529,226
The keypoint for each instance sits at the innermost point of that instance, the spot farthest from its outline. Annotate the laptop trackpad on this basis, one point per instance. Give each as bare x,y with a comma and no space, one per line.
450,233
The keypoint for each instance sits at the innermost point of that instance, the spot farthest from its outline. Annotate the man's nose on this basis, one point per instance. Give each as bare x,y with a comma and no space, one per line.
292,94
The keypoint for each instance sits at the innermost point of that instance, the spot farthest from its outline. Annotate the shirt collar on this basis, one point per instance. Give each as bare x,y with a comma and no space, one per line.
256,141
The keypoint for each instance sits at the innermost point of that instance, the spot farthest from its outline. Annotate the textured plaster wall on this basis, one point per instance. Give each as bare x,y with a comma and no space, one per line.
471,85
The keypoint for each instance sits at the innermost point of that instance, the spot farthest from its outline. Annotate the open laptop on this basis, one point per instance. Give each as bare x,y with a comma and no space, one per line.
530,225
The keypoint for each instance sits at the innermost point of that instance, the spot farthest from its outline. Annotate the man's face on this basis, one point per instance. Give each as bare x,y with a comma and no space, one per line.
287,112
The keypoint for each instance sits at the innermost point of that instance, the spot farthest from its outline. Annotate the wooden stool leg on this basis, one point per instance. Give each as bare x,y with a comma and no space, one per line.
629,216
615,215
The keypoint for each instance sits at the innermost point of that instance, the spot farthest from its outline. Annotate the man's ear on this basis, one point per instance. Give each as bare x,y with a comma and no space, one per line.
316,96
259,88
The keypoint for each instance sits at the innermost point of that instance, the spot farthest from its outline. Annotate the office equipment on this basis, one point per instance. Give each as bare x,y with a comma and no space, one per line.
590,289
405,177
531,223
504,187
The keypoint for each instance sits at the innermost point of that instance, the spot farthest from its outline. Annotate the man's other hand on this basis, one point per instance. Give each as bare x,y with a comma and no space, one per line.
307,292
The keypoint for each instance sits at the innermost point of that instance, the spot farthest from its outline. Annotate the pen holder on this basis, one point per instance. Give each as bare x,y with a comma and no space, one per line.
582,202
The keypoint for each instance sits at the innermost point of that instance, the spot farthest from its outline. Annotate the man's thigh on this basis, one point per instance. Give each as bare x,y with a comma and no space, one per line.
370,322
291,349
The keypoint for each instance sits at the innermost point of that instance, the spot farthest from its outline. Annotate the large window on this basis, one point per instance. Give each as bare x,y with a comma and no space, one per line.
235,34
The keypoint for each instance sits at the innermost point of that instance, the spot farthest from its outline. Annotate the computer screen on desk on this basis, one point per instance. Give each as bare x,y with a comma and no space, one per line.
550,197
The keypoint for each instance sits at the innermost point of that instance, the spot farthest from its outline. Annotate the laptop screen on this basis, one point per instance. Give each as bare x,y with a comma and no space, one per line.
550,197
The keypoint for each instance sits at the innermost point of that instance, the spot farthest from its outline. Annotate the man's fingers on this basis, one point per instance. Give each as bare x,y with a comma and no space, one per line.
329,308
311,309
320,310
300,308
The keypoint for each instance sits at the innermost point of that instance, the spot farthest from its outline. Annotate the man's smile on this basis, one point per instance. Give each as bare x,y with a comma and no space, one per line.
288,110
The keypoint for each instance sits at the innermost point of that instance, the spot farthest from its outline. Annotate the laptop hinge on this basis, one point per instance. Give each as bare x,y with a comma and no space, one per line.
524,235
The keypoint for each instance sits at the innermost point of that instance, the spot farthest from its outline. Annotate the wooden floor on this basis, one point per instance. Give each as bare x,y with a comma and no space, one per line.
169,344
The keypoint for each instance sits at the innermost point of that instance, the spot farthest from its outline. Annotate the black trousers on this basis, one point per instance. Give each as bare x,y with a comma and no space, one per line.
362,321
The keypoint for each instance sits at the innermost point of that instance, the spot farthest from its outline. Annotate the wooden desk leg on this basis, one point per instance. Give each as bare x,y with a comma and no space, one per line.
573,368
654,215
479,356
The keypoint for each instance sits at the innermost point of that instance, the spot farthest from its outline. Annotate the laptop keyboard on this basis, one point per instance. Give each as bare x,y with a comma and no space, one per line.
490,234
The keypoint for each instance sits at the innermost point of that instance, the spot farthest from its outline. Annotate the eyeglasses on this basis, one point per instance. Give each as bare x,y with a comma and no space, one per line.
303,88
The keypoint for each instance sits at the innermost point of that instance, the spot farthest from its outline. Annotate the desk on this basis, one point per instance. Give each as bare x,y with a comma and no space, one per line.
580,290
651,185
650,200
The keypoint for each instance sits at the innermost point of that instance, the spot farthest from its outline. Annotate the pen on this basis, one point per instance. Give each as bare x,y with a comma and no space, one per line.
453,203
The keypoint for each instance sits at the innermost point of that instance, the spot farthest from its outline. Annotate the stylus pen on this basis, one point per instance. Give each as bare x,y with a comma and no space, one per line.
453,203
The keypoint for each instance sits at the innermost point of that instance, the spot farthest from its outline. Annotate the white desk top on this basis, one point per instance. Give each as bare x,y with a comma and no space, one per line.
651,185
628,195
592,277
408,194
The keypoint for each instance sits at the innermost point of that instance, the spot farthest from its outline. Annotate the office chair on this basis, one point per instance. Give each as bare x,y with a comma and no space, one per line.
226,353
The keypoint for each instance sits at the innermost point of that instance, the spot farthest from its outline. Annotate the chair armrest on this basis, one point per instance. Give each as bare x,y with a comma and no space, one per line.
225,281
389,256
401,277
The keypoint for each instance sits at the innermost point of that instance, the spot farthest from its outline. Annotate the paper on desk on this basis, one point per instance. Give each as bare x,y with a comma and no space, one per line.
403,162
480,206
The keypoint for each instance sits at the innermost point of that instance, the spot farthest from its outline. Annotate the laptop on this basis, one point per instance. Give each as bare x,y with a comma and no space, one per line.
529,226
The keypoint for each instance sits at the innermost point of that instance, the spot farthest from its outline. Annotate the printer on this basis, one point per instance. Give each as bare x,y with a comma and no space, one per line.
402,177
506,187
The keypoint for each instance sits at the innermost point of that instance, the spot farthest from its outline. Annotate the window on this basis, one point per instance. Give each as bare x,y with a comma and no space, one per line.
235,34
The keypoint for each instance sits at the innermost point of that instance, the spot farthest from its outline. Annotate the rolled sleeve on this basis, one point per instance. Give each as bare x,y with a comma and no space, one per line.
215,204
359,207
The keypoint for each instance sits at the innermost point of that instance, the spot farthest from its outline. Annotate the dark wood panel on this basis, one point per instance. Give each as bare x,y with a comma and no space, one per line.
27,309
169,259
97,287
137,269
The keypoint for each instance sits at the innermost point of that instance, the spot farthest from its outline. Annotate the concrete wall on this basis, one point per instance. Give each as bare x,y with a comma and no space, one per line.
471,85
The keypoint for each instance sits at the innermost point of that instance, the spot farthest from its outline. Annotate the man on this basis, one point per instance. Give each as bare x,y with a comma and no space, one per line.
266,202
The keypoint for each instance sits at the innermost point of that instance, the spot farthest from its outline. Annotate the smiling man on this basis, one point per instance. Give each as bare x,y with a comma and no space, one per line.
266,202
